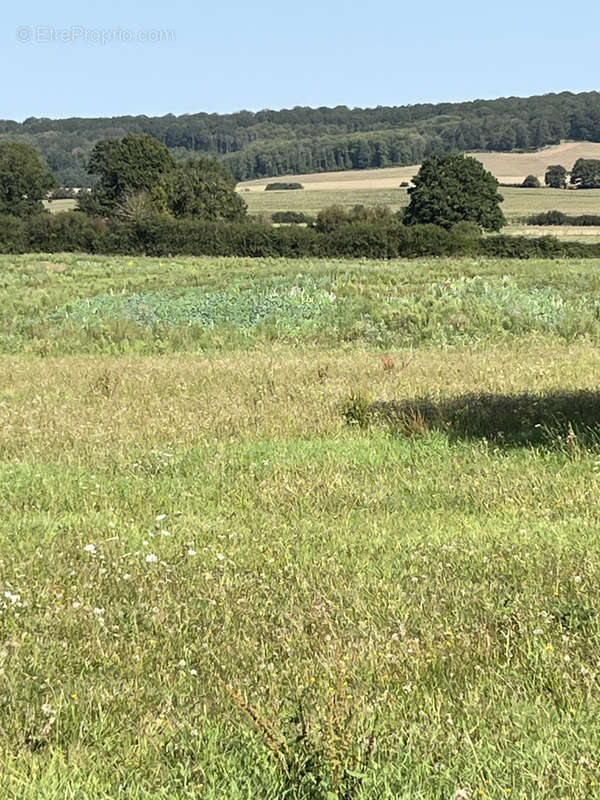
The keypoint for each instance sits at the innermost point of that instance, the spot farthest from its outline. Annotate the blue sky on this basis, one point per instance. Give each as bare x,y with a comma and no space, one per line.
226,56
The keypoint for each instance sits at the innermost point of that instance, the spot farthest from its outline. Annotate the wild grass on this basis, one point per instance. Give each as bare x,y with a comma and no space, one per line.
212,586
98,305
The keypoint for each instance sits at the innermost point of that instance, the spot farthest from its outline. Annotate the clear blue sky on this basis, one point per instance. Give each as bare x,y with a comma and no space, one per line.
255,54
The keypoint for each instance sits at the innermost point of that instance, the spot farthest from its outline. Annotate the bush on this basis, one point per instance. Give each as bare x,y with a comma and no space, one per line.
277,187
333,217
296,217
13,234
68,231
531,182
558,218
162,236
548,218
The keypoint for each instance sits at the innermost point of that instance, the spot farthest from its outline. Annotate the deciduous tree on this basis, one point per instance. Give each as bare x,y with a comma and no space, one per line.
556,177
450,188
24,180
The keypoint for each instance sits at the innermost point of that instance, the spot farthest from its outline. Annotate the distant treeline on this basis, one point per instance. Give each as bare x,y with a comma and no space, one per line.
74,231
300,140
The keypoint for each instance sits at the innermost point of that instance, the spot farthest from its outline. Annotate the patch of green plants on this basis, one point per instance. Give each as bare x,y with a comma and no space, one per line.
288,308
469,308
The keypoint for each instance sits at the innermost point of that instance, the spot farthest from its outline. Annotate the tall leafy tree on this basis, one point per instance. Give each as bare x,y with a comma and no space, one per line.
451,188
139,179
556,177
136,164
586,173
24,180
203,188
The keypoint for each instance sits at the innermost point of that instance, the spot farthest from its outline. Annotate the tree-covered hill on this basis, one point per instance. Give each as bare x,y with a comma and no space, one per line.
300,140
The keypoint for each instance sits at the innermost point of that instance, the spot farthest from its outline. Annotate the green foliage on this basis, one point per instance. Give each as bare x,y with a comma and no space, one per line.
295,217
558,218
531,182
24,180
556,177
452,188
133,166
299,140
202,188
277,187
332,218
357,410
13,234
548,218
337,234
139,181
586,173
289,309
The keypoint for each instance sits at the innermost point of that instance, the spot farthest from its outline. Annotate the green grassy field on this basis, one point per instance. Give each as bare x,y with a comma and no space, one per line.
212,586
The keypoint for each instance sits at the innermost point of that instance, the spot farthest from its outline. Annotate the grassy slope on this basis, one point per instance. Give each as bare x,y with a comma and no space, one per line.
445,590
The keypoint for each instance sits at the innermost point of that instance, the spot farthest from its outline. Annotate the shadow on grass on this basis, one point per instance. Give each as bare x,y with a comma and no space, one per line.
551,419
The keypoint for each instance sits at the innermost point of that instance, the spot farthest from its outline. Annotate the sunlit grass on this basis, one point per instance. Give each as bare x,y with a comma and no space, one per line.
197,537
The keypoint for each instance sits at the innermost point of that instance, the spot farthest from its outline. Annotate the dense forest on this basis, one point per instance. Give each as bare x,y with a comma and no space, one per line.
299,140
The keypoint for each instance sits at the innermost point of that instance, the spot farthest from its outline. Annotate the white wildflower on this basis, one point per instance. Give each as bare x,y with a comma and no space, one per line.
159,517
220,556
191,552
151,558
90,548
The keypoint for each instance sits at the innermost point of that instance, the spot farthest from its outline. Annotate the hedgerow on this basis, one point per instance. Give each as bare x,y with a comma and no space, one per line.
73,231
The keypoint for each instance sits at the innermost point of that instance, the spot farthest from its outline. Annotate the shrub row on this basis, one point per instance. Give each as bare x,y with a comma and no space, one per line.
74,231
277,187
296,217
559,218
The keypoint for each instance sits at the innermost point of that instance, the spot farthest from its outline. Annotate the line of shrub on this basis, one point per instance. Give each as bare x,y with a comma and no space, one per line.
296,217
73,231
278,187
559,218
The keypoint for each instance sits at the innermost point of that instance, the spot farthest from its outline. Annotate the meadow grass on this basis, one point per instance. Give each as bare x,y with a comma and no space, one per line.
212,586
74,304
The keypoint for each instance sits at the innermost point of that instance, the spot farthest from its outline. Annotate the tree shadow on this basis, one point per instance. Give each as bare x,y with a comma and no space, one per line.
550,419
